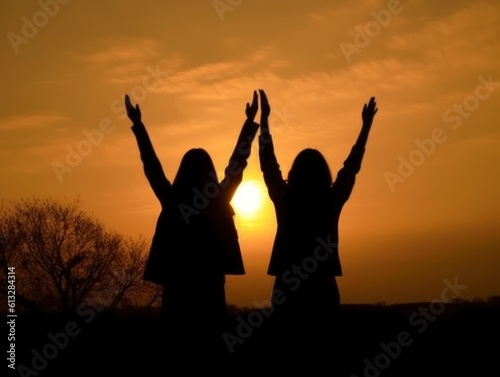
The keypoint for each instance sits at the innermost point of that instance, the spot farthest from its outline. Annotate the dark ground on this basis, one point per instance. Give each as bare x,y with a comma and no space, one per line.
373,340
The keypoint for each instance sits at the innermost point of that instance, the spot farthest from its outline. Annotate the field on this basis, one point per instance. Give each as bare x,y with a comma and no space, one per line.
420,339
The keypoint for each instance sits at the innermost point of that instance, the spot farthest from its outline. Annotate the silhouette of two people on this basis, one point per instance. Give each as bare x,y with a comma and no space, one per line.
194,247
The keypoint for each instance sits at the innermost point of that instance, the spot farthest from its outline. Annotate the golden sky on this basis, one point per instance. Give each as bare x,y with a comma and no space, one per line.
425,207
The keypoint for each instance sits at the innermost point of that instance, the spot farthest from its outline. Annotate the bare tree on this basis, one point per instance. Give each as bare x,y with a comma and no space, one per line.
124,286
64,257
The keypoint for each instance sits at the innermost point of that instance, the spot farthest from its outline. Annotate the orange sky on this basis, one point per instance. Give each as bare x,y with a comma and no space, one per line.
433,67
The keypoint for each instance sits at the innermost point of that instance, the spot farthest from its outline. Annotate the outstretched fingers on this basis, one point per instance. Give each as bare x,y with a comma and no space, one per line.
251,110
255,99
371,106
133,112
128,103
263,96
265,108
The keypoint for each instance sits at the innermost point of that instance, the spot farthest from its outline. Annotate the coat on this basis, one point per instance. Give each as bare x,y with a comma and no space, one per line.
310,231
168,255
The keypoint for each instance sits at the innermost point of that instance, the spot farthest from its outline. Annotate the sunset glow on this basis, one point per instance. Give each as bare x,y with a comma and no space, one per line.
248,199
425,205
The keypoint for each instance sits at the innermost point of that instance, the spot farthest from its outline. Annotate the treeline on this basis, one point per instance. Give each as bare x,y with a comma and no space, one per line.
64,258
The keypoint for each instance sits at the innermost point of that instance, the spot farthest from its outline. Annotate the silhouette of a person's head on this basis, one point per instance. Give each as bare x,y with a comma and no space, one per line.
309,172
196,170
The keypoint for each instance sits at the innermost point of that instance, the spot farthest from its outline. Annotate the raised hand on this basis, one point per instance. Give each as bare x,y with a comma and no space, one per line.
264,104
251,110
134,113
369,111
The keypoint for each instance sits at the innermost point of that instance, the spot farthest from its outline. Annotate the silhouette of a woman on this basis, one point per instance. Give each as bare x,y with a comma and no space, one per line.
305,259
195,243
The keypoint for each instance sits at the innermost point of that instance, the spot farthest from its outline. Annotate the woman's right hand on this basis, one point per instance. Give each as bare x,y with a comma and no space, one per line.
264,104
369,111
251,110
133,112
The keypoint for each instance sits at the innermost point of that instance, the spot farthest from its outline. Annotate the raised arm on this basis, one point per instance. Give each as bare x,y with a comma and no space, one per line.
346,177
233,174
152,166
368,113
269,166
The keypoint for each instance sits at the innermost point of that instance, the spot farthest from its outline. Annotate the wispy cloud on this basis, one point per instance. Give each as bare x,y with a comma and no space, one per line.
216,77
18,122
124,50
463,39
125,61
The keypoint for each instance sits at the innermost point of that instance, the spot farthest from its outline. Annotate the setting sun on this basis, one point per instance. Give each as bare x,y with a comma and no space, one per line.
248,198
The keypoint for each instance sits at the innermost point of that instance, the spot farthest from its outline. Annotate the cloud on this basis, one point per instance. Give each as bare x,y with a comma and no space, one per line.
124,50
464,39
22,122
125,61
212,80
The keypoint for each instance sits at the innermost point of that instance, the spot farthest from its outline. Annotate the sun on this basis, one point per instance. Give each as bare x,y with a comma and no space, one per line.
247,199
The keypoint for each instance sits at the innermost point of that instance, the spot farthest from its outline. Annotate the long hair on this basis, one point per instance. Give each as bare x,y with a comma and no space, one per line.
213,225
310,173
195,172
